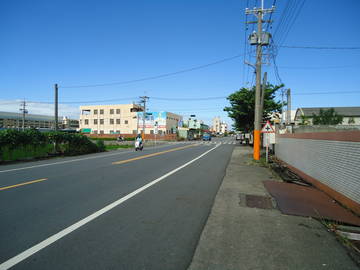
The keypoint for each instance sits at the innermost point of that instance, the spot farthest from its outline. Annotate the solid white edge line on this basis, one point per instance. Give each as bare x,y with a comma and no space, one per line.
27,253
73,160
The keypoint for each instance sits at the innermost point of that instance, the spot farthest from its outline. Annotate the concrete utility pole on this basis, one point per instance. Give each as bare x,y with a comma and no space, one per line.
56,108
288,115
143,100
263,87
24,111
260,41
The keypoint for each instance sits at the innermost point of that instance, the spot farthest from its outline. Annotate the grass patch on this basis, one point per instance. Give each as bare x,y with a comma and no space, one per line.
114,147
26,152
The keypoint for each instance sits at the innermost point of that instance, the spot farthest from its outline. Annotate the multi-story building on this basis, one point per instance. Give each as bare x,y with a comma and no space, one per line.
219,126
223,128
216,124
15,120
126,119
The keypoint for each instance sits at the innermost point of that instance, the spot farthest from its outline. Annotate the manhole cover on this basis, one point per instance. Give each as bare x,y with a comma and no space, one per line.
256,201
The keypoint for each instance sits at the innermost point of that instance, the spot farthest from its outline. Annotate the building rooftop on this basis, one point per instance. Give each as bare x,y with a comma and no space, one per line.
344,111
33,117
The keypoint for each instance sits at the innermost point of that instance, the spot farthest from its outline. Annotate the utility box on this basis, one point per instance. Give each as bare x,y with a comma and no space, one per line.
253,39
265,39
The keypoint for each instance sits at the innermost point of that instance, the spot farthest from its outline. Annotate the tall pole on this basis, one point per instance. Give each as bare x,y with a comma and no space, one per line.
24,111
288,115
56,107
258,12
257,123
263,87
143,100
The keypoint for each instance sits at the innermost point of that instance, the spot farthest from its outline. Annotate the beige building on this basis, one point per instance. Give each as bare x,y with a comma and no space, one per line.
216,124
125,119
223,128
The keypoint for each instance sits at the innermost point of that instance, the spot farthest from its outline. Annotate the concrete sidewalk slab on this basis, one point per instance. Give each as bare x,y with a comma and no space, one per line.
238,237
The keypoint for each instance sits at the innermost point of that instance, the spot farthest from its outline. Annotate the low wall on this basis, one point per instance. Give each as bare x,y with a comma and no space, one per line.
329,160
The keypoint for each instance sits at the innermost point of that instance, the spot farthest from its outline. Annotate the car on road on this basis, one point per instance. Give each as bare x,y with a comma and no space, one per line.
206,137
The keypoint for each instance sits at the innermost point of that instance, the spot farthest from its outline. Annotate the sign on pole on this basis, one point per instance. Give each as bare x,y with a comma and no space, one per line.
268,128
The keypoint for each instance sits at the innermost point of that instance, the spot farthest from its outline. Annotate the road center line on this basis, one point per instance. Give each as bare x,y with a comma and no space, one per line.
152,155
23,184
27,253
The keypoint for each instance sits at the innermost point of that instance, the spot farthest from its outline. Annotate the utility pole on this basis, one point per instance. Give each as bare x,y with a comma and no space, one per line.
263,87
288,115
56,107
259,39
24,111
143,100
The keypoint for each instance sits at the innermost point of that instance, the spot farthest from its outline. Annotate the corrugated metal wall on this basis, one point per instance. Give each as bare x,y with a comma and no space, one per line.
333,163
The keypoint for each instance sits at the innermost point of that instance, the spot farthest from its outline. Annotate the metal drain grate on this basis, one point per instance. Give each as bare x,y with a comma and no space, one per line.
255,201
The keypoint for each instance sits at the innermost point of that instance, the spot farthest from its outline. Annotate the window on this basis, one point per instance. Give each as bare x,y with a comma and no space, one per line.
134,131
111,111
101,132
95,121
111,121
95,111
117,111
126,122
101,122
95,131
151,131
101,111
118,132
118,121
111,132
86,121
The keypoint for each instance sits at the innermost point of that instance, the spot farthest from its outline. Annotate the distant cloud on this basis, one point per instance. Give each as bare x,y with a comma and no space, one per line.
39,108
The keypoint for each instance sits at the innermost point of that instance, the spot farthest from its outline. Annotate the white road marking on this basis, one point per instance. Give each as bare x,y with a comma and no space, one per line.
27,253
73,160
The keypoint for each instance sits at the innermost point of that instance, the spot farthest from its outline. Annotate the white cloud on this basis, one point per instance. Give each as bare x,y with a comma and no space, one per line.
40,108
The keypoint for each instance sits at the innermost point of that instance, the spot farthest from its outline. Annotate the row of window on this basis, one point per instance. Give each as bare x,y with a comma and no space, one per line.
112,111
102,121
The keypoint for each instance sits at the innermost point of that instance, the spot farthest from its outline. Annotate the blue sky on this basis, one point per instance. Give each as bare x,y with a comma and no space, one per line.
92,42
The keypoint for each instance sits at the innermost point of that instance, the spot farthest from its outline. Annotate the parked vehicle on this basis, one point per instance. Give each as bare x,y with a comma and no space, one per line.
206,137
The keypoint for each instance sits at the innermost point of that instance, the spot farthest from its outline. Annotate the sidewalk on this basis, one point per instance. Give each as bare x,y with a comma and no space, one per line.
239,237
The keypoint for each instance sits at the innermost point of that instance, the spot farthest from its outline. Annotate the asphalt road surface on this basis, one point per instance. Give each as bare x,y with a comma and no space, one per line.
114,210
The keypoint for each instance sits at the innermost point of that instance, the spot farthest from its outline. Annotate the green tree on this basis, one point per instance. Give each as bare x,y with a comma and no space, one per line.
242,106
327,117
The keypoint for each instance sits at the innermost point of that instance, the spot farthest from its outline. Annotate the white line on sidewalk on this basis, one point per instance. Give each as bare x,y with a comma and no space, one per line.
27,253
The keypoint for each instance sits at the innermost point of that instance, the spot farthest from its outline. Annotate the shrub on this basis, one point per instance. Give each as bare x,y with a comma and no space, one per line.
101,146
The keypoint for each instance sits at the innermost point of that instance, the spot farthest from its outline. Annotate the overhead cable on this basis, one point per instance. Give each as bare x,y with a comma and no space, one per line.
157,76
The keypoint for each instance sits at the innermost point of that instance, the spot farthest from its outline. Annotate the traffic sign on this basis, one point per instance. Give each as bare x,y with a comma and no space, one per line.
268,128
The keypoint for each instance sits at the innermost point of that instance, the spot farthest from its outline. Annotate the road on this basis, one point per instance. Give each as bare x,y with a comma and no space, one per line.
114,210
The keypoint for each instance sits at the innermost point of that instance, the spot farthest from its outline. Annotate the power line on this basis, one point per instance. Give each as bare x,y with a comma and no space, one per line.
187,99
319,67
318,47
158,76
327,93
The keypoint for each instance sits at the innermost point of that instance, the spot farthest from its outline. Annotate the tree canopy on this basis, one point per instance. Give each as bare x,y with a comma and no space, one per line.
327,117
242,106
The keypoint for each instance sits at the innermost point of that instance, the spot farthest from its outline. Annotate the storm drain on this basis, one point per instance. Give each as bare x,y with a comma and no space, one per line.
255,201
